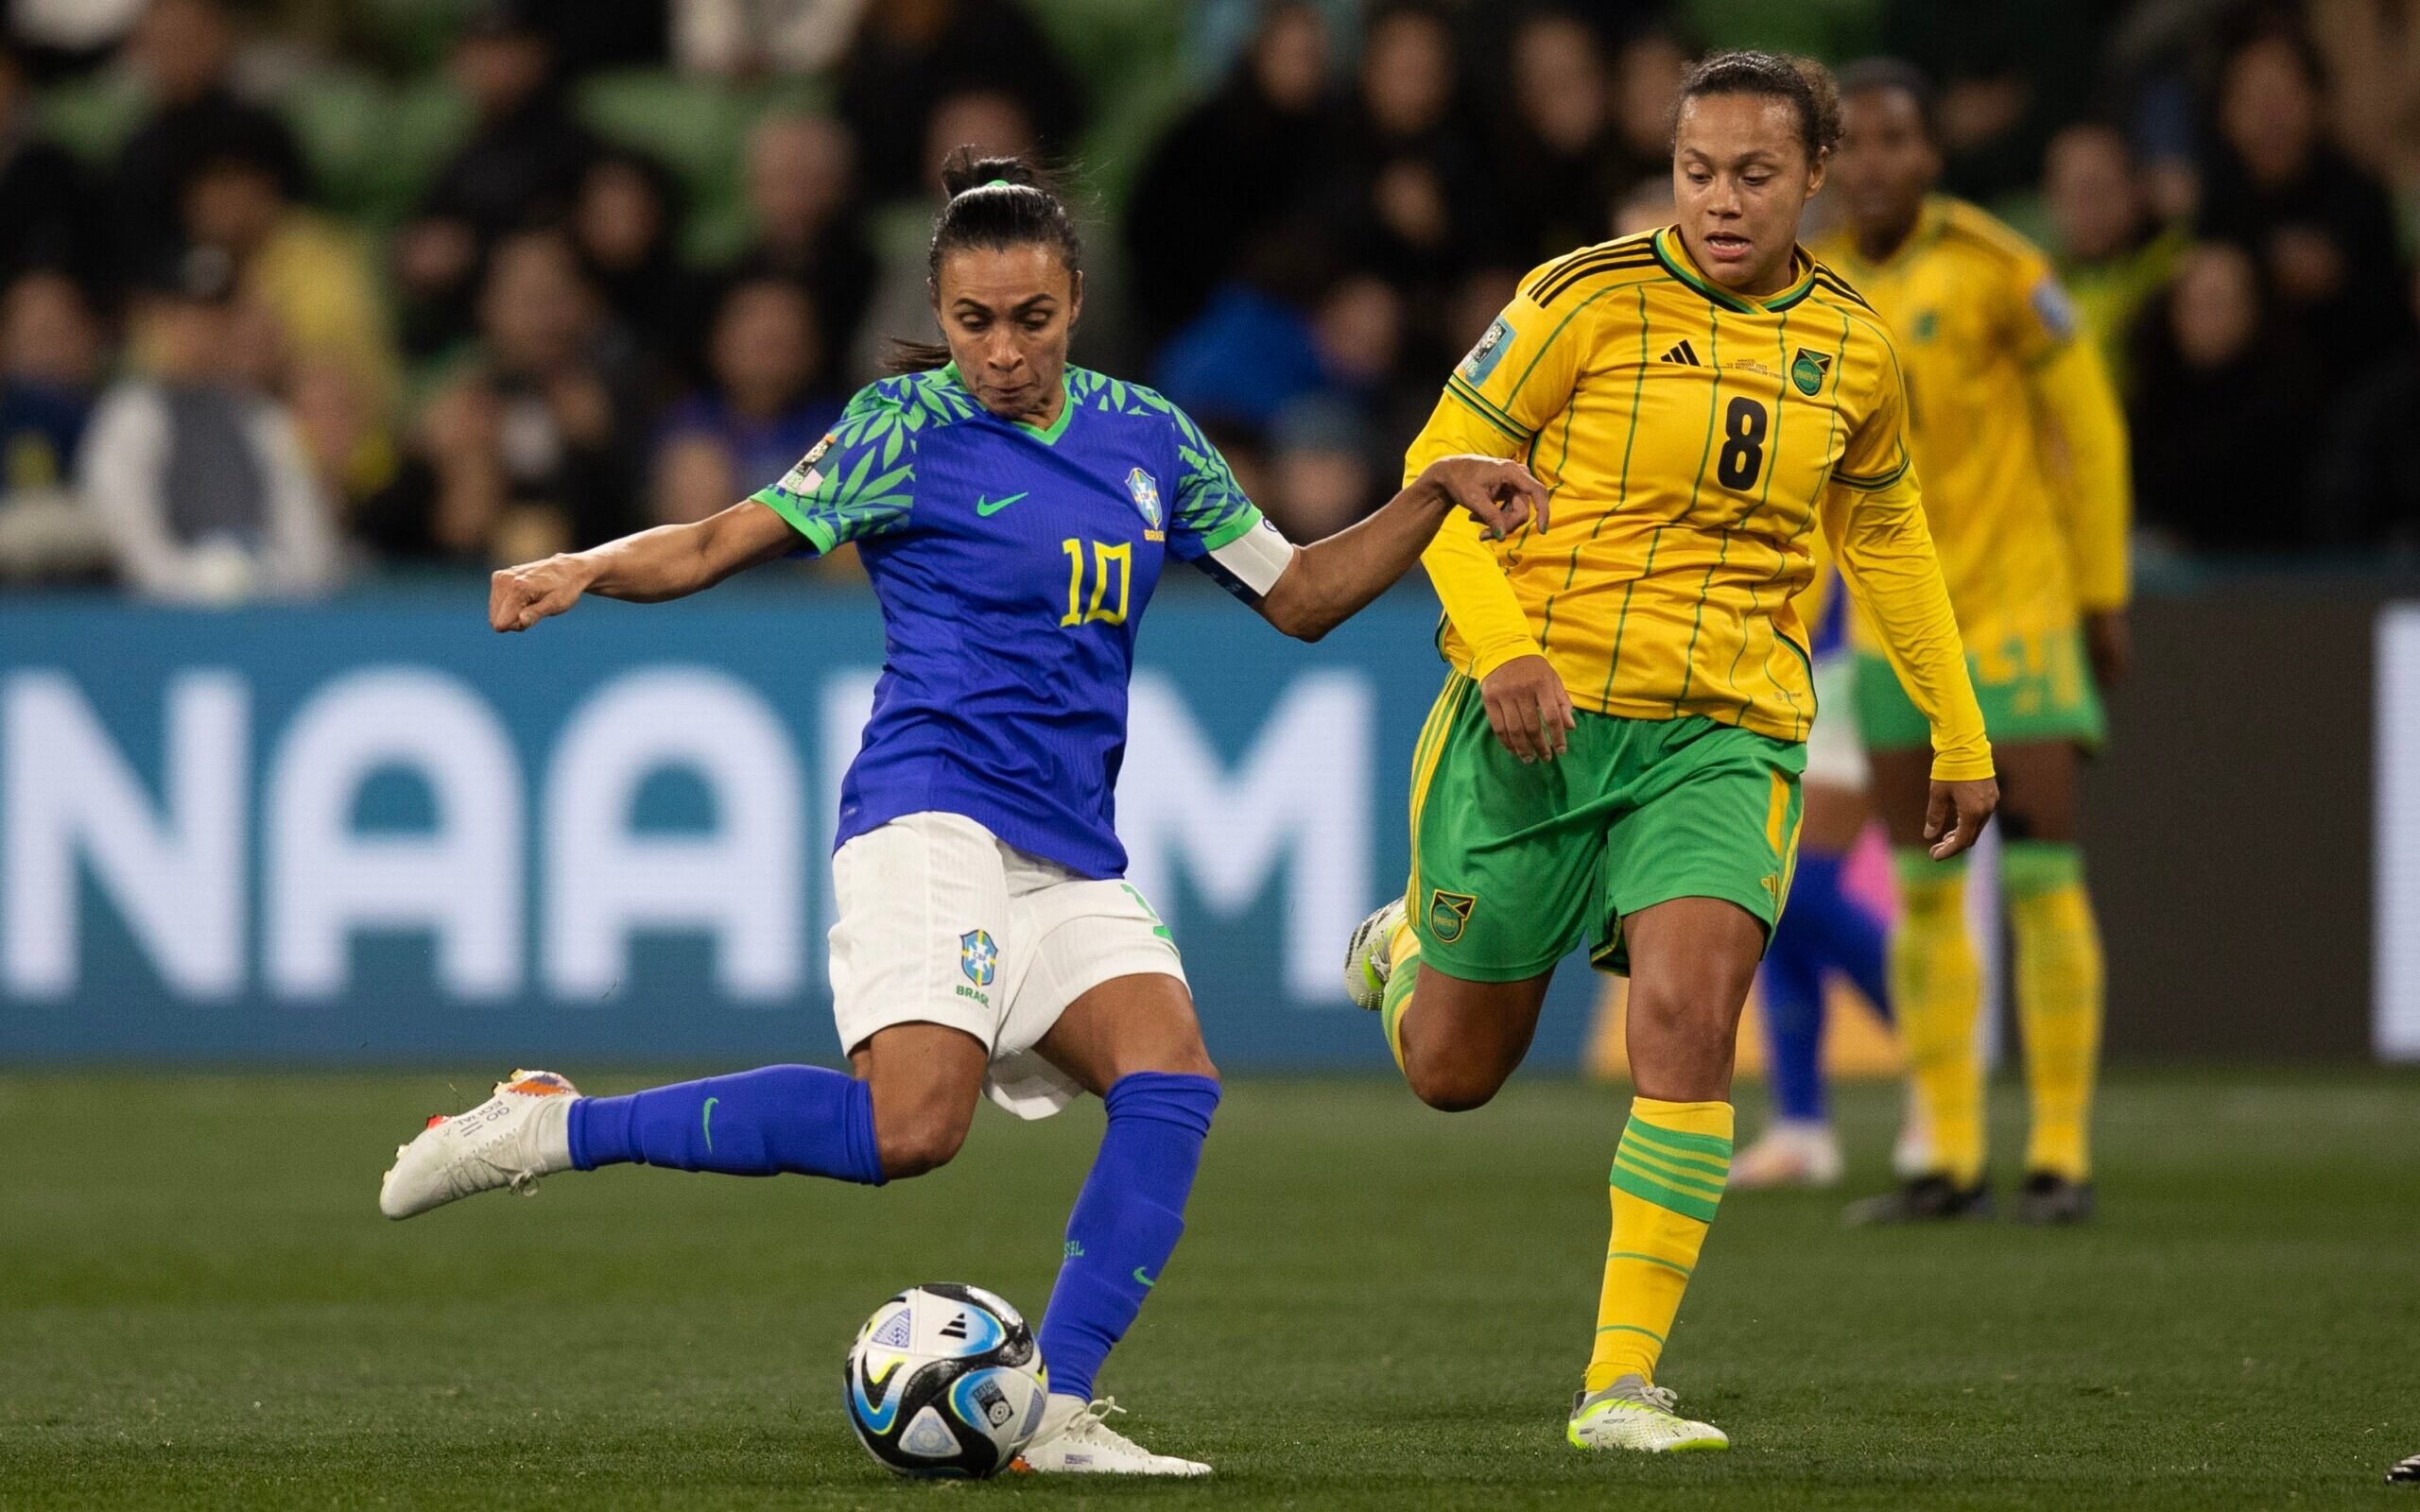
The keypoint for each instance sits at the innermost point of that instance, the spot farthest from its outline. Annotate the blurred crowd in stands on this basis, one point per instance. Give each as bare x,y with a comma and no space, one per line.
297,292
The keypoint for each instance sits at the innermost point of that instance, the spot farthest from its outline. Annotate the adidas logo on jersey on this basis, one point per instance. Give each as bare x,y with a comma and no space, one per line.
1684,354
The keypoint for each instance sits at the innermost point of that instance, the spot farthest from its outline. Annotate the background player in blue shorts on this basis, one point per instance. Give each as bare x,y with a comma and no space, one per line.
1014,514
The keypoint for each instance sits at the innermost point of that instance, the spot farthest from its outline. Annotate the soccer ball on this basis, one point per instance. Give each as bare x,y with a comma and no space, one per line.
944,1380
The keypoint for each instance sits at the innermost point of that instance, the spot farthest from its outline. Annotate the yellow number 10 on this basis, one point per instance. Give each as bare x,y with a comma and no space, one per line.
1104,556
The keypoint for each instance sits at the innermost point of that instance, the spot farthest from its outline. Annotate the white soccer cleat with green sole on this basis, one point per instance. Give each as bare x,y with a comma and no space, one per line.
512,1138
1629,1414
1367,962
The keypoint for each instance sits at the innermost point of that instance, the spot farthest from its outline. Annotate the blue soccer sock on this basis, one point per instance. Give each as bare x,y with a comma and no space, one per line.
1823,930
802,1119
1127,1220
1793,982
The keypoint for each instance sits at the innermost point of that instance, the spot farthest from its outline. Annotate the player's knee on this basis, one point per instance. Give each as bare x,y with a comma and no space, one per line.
920,1140
1448,1086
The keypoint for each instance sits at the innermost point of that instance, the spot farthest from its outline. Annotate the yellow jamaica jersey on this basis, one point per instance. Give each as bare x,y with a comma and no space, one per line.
1693,440
2015,428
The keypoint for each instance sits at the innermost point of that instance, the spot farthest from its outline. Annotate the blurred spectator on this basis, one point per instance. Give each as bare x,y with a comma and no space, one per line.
201,482
521,165
1565,162
801,204
2111,257
521,453
1646,207
49,216
1234,165
311,278
994,125
2225,406
749,39
66,34
2008,76
2372,53
50,363
2322,231
911,55
2367,486
1323,472
1412,197
589,36
184,52
766,408
627,225
1647,87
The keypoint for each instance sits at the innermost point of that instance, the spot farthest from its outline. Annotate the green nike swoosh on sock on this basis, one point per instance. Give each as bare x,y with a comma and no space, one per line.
1145,1280
707,1122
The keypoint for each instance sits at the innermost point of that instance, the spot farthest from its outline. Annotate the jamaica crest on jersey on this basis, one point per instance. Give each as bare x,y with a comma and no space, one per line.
1145,490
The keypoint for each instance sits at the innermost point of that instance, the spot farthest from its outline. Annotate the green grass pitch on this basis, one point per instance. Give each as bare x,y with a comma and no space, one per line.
1377,1306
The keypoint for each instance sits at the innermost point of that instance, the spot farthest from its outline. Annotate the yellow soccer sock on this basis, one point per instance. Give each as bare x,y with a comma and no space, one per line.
1936,991
2059,1000
1667,1179
1402,973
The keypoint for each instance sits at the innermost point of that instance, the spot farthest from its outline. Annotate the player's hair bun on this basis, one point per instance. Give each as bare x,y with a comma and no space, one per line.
963,171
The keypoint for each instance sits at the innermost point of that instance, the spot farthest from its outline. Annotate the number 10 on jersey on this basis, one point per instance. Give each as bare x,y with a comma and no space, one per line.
1104,558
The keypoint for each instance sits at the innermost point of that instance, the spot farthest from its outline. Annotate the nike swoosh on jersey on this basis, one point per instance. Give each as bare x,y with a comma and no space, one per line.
988,508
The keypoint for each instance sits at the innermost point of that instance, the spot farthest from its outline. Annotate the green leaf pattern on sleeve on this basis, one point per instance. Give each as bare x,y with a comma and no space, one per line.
859,481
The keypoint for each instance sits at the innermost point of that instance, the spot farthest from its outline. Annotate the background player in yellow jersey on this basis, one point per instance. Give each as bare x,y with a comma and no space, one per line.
1616,755
2024,457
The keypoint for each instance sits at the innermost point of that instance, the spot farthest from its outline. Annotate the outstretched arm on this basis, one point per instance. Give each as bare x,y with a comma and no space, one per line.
1330,581
670,562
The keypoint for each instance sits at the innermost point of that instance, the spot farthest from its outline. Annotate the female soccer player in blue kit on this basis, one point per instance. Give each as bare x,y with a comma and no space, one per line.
1015,513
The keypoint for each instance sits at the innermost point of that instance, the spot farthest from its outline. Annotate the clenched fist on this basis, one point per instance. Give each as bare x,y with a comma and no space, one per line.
519,598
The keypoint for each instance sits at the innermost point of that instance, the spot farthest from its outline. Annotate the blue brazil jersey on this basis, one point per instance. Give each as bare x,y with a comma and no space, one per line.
1012,565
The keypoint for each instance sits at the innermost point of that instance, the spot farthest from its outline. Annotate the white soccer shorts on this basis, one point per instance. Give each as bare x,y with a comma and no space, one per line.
1834,755
940,922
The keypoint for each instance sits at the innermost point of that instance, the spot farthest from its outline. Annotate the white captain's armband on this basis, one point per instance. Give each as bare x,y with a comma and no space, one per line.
1251,564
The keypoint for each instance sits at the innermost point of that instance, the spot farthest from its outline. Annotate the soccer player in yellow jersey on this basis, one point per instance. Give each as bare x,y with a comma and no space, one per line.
2023,455
1616,755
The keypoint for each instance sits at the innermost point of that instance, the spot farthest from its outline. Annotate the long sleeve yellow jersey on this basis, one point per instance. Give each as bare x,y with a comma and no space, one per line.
1693,440
2014,423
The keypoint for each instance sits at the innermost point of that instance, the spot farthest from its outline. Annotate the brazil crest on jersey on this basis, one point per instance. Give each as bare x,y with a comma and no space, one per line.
1012,565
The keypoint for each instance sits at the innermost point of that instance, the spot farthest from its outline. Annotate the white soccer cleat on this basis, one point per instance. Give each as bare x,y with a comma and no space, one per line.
1790,1155
1367,962
1629,1414
1075,1438
512,1138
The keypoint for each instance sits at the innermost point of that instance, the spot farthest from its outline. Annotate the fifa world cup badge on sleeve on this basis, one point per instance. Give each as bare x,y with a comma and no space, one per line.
803,480
1488,352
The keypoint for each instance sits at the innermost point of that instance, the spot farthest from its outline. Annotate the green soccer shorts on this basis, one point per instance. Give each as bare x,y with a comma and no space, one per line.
1515,863
2032,689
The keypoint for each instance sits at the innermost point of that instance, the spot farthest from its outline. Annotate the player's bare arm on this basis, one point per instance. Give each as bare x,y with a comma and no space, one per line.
670,561
1331,580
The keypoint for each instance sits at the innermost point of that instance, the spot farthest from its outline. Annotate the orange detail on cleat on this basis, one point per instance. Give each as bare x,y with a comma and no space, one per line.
434,1119
539,1087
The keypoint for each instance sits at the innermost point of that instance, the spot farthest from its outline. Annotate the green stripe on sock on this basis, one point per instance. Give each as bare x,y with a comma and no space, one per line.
1655,1170
1646,1189
1683,1271
1629,1328
1675,1140
2032,868
1914,867
1713,1167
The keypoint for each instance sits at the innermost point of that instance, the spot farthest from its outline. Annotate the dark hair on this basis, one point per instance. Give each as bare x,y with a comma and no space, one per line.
997,203
1804,83
1896,76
